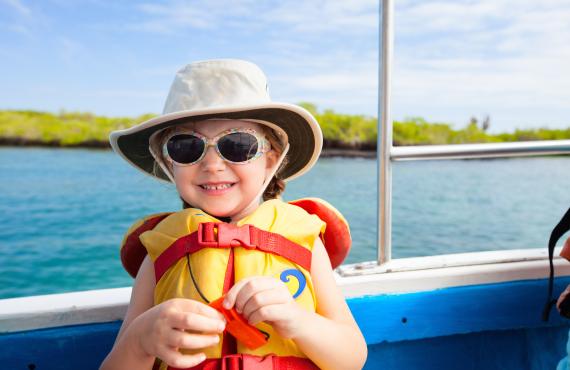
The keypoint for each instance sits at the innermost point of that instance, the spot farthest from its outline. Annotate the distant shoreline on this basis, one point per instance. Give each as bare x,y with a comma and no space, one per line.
23,142
344,135
348,153
328,152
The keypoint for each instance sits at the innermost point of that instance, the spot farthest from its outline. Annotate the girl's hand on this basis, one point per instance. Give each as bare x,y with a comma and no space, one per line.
264,298
178,323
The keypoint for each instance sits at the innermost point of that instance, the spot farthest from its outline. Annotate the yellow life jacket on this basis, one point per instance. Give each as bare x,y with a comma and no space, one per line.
197,256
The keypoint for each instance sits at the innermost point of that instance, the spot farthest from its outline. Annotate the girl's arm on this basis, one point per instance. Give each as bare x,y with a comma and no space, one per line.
125,352
330,337
148,332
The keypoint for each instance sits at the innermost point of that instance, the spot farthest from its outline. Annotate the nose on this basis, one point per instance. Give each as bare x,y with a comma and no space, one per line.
212,162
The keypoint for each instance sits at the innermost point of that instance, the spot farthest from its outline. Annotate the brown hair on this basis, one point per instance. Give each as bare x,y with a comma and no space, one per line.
273,190
276,186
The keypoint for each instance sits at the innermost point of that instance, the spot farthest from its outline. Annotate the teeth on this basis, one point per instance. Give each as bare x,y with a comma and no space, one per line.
216,187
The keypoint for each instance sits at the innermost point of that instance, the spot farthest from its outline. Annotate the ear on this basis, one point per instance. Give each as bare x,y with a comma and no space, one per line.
271,159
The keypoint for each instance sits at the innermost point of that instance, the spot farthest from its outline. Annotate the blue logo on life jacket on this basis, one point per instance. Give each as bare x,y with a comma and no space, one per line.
300,279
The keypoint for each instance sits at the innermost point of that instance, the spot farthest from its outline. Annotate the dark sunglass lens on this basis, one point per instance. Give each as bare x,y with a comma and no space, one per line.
238,146
185,148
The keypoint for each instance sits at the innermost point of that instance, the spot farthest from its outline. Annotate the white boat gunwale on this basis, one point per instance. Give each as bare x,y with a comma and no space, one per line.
401,276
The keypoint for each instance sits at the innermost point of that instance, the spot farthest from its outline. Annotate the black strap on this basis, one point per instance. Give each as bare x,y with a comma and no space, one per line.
559,230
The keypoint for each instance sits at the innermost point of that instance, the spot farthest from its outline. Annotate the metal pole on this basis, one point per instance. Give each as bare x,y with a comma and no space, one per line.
385,137
485,150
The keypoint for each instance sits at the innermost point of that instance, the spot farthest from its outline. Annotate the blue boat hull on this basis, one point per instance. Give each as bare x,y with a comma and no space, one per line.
491,326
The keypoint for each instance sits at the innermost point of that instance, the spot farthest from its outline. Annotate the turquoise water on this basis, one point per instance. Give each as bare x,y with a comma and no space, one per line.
64,211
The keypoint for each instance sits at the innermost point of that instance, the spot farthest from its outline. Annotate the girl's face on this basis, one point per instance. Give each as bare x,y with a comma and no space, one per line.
218,187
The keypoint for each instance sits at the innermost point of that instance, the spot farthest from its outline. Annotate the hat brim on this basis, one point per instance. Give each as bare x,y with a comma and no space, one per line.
303,131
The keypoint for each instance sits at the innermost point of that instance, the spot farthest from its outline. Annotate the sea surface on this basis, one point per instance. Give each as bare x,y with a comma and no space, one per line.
63,212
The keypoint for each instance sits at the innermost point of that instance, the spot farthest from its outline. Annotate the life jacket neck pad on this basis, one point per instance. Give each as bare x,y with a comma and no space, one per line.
336,237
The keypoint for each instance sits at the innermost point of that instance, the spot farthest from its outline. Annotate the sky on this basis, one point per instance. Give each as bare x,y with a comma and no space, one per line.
453,59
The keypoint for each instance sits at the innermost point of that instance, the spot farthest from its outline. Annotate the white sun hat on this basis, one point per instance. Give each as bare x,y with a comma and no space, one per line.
224,89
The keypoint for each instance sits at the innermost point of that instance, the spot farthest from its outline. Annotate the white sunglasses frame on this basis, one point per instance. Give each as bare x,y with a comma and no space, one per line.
263,145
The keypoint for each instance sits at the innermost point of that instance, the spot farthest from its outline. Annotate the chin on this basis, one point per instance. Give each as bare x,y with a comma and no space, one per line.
220,212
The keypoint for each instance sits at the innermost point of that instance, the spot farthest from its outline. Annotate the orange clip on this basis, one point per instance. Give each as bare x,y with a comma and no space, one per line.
248,334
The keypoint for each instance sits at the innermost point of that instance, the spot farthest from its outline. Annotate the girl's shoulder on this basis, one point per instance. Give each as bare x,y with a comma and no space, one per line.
132,251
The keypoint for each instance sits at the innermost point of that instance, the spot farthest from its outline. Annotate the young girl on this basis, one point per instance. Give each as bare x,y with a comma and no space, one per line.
223,143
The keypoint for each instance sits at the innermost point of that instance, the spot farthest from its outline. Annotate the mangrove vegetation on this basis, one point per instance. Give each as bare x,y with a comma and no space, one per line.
341,131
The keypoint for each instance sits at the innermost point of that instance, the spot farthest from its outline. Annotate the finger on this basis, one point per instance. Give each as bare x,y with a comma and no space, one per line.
190,305
265,298
269,313
196,322
231,295
253,287
178,360
182,339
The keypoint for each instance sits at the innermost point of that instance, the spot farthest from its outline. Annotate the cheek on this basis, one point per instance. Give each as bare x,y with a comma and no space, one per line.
264,169
182,176
252,175
178,177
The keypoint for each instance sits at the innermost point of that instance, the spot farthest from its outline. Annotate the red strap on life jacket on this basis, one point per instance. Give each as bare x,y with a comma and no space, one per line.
229,236
251,362
229,342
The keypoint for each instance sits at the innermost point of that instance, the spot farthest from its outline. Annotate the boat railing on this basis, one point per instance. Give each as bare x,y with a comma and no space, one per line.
387,154
486,150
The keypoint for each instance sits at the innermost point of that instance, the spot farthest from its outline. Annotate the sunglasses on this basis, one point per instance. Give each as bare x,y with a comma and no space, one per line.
236,146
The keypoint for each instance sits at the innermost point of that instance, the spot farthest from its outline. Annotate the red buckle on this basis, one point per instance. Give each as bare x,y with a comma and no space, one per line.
229,235
244,361
232,362
206,235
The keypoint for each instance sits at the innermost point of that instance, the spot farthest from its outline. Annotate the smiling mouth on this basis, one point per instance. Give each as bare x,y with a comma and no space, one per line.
217,186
